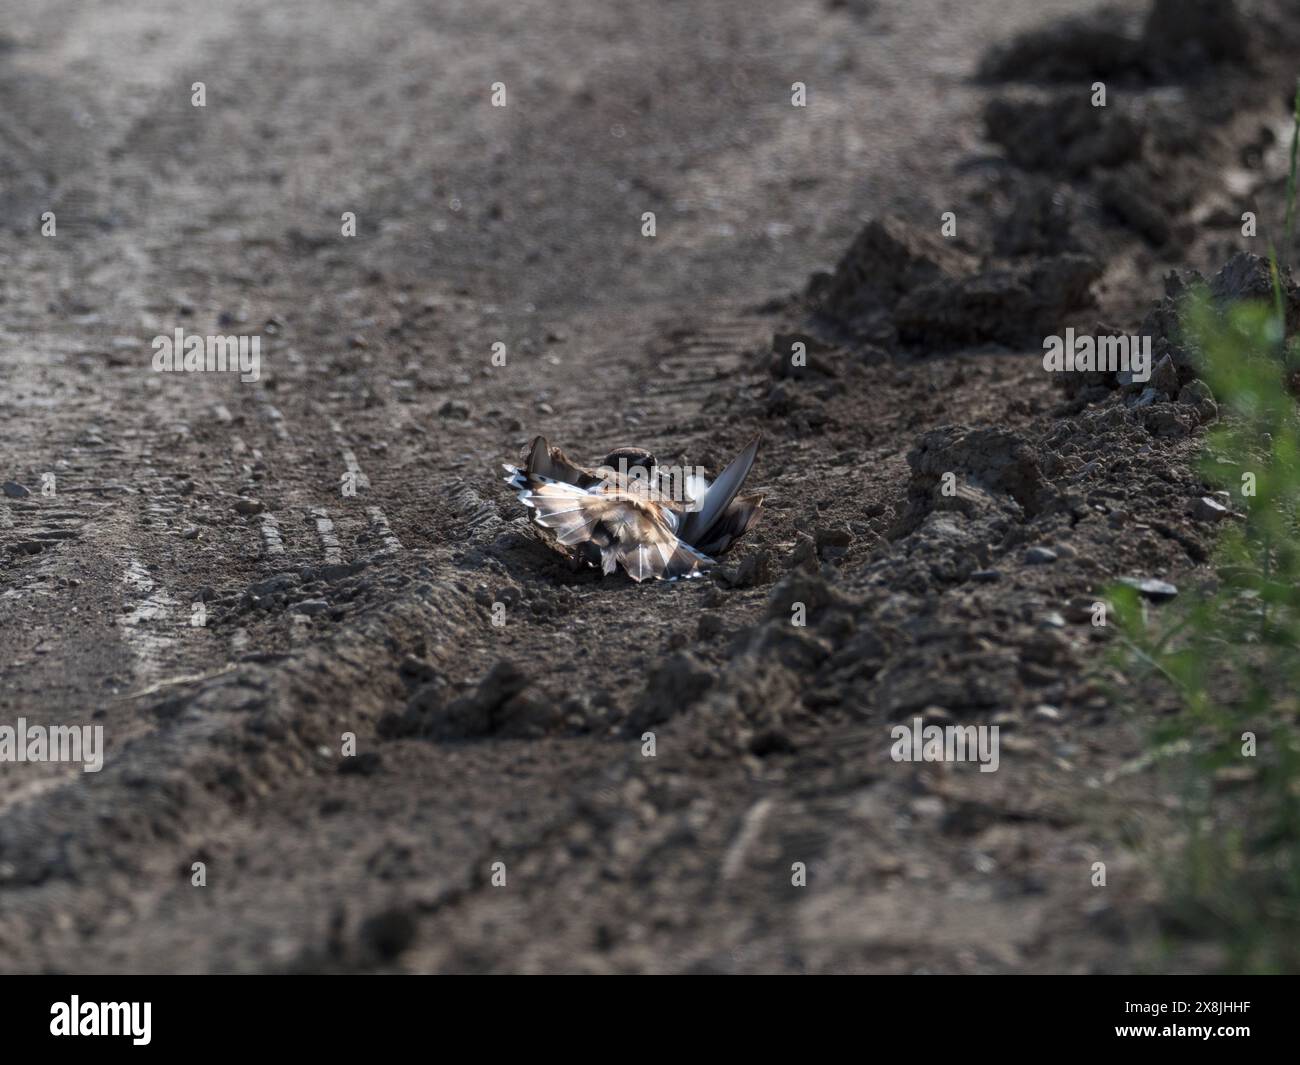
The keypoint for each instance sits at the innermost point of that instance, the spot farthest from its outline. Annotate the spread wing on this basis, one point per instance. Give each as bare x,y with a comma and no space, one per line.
624,529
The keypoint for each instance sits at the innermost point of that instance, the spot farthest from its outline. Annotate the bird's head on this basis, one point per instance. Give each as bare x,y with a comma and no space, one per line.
632,462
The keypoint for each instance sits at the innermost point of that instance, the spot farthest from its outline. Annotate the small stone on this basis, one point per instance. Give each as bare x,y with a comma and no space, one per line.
754,569
1207,509
1198,395
14,490
804,553
454,408
1080,608
244,505
927,806
1156,590
270,585
986,576
1039,556
311,606
1164,376
832,542
1046,712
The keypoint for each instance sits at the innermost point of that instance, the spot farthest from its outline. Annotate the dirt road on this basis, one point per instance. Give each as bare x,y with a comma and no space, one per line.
232,577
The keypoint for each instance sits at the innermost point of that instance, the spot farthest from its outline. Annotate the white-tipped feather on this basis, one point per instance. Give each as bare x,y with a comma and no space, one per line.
576,507
694,486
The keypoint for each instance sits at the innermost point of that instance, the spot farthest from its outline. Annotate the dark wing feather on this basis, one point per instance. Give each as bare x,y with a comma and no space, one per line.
697,527
554,465
732,525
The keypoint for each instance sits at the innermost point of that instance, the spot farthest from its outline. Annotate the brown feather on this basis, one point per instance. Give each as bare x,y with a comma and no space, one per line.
628,529
606,520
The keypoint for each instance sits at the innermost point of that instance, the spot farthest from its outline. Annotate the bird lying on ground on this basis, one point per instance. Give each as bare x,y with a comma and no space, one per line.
654,521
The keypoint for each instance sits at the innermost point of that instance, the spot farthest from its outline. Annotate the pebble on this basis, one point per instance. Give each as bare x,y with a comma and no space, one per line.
832,542
278,583
244,505
1039,556
1207,509
1080,608
14,490
1164,377
311,606
1155,590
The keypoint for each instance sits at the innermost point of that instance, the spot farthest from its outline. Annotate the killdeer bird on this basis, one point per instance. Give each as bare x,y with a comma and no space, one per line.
654,521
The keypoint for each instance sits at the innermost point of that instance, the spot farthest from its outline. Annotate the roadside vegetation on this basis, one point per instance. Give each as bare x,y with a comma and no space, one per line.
1232,652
